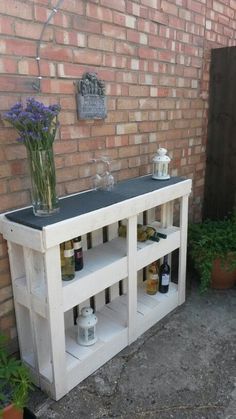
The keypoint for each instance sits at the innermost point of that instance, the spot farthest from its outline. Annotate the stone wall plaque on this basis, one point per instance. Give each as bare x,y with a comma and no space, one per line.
91,99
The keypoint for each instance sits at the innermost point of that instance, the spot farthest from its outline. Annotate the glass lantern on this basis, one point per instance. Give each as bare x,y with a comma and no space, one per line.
86,327
160,165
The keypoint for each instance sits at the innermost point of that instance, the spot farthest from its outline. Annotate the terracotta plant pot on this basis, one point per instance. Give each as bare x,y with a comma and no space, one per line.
10,412
221,278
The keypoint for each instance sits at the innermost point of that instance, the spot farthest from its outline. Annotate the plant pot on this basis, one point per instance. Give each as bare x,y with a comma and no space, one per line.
221,278
11,412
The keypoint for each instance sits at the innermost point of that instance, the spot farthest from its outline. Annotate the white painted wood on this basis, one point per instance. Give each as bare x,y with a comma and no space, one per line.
20,234
56,319
99,299
132,276
183,247
44,303
158,306
150,251
57,233
23,320
112,232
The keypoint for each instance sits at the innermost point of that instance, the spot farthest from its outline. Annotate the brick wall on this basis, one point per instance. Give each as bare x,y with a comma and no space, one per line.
154,57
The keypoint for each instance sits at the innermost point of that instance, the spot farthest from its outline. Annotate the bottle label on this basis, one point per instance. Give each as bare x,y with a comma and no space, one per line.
155,277
79,254
68,253
165,279
77,245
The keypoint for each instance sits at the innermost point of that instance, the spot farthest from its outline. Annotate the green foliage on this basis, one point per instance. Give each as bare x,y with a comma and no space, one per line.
15,381
211,240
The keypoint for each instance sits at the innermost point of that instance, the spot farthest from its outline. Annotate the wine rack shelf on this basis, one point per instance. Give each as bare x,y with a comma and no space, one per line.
111,280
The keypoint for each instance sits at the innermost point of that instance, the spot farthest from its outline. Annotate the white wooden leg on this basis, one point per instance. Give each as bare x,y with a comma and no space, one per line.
56,319
132,277
183,248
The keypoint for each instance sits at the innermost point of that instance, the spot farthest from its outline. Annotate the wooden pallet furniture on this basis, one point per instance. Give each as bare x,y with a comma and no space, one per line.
111,279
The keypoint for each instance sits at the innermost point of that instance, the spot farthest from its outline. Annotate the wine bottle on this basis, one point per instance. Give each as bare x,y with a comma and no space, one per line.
164,276
67,261
152,283
144,233
79,262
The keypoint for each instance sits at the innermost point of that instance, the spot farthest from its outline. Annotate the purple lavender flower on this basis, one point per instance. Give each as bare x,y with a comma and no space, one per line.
36,123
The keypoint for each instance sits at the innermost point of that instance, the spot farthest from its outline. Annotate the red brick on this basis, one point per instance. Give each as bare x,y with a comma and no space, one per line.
113,31
6,25
70,70
14,47
114,61
147,53
157,42
74,132
59,19
137,10
92,144
125,48
16,84
55,53
97,12
101,43
102,130
127,77
32,31
8,65
83,24
57,86
88,57
70,38
169,8
139,91
152,3
127,103
145,25
74,6
11,201
114,4
15,8
117,141
124,20
159,17
147,126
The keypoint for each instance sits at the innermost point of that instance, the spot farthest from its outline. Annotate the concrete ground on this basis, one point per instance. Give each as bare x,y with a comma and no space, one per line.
183,368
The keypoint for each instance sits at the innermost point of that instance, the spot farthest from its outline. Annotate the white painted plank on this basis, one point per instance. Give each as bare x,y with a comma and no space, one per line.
83,369
112,231
56,319
132,276
97,238
150,251
183,248
64,230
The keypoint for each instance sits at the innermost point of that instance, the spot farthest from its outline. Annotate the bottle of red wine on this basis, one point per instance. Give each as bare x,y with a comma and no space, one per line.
79,262
164,276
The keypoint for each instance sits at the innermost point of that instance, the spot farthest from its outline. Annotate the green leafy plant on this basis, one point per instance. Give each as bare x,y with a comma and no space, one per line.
15,381
212,240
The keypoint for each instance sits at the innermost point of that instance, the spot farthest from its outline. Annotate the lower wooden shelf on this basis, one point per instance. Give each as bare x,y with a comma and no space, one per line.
152,308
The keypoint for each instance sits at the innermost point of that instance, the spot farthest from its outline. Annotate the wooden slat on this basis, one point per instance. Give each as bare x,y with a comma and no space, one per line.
183,248
132,276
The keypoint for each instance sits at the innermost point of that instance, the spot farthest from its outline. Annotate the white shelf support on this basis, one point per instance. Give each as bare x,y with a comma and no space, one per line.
183,248
56,320
132,277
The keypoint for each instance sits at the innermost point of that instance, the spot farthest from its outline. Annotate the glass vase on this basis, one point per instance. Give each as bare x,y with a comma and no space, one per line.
43,181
